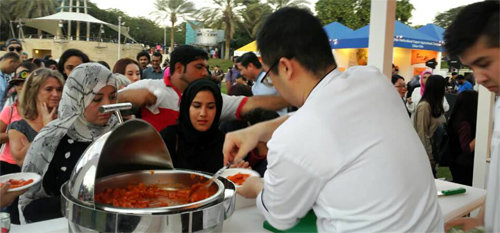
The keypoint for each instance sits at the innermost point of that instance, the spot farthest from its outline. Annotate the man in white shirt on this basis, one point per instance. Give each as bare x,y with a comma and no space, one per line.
474,38
251,68
355,161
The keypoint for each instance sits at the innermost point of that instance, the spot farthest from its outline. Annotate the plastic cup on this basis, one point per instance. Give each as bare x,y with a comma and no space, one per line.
4,222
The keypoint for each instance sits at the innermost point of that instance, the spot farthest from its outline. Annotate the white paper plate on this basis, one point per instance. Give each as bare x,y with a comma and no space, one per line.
21,175
234,171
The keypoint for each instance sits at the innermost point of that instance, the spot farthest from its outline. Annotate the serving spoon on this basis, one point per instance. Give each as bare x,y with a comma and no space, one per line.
204,186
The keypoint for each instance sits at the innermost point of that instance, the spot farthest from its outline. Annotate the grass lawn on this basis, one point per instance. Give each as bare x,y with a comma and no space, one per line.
223,87
444,172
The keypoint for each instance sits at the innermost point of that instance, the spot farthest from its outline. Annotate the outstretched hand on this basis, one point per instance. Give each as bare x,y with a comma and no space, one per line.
238,143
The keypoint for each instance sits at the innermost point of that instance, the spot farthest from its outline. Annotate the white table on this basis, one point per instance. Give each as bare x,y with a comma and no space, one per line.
247,218
461,204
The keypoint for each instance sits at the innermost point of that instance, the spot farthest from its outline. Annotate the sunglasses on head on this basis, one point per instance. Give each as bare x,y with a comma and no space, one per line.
23,74
11,49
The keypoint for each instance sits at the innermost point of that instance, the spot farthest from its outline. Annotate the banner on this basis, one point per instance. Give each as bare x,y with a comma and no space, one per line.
421,56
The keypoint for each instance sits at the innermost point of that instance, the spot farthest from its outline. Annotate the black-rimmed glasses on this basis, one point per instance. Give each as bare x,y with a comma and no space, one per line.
266,80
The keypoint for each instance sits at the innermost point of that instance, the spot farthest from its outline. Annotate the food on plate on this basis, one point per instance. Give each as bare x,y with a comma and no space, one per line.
149,196
238,178
17,183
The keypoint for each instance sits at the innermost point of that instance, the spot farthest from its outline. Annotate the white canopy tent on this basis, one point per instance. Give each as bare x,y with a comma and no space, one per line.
50,24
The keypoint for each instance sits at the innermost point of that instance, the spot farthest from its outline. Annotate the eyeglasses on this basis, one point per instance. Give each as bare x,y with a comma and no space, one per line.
11,49
266,80
400,86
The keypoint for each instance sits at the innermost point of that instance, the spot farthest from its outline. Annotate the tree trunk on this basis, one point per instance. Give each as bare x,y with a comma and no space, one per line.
228,39
172,38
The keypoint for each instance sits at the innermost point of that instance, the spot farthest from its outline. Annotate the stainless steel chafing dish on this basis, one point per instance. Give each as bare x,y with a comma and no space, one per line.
134,152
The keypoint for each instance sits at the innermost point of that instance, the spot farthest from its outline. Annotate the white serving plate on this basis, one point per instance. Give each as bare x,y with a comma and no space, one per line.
21,175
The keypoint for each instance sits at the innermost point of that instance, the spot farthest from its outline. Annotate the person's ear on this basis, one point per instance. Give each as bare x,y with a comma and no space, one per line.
179,67
287,67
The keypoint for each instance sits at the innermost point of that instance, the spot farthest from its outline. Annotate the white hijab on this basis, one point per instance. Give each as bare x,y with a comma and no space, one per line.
81,86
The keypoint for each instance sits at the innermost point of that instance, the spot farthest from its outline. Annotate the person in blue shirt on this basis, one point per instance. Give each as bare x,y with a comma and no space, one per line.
463,85
8,64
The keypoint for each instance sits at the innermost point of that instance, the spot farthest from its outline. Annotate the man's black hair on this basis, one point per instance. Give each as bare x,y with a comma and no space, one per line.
10,55
248,58
186,54
158,54
460,77
49,62
295,33
143,54
105,64
472,22
395,78
453,73
69,53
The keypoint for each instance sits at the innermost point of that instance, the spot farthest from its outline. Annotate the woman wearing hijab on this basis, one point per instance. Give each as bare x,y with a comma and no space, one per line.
418,92
195,142
58,146
430,114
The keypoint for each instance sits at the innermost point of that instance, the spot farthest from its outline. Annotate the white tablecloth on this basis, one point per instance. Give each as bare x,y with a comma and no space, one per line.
247,218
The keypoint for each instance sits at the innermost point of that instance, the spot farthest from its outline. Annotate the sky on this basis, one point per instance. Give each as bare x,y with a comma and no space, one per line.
424,12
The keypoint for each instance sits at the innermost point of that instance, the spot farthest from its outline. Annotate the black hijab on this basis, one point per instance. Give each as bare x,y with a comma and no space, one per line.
188,147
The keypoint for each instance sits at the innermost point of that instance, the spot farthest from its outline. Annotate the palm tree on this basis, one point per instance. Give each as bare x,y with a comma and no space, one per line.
277,4
173,9
253,15
224,15
32,8
5,11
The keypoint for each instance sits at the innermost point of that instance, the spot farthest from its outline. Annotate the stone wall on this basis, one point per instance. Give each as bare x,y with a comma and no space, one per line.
97,51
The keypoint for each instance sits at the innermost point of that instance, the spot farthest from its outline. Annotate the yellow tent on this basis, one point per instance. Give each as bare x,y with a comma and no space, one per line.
250,47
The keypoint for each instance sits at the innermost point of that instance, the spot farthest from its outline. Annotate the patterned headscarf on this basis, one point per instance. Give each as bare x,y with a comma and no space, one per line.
83,83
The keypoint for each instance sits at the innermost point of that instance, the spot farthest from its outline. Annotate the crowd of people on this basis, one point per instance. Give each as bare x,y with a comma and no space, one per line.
323,156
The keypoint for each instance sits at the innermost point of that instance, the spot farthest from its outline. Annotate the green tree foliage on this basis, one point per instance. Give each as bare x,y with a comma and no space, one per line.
253,15
277,4
444,19
172,9
30,9
356,13
223,15
11,10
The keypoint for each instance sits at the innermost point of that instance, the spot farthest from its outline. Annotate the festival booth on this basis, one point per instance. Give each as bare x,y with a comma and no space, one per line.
434,31
250,47
333,30
412,49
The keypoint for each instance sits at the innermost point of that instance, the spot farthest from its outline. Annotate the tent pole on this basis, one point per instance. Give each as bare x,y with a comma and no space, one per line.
88,24
12,30
77,22
69,21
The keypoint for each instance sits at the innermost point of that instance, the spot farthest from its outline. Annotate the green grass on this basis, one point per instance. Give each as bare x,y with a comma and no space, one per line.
444,172
223,87
223,63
